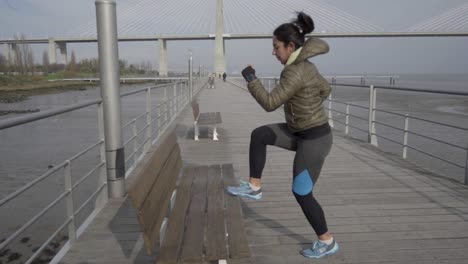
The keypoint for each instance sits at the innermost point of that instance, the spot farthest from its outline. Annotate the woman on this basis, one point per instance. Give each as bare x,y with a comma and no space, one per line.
301,90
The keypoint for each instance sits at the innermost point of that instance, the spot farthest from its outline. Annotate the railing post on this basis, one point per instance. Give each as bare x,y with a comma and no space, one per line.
187,91
190,76
466,166
135,143
69,201
347,120
148,119
106,19
405,137
166,106
175,99
159,120
372,137
330,114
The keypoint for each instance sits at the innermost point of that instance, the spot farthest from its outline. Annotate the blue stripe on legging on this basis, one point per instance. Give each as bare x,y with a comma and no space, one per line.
303,184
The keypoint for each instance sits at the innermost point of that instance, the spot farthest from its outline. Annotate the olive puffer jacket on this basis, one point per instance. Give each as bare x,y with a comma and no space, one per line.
301,89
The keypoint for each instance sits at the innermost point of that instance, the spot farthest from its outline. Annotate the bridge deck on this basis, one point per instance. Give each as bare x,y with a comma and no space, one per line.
379,208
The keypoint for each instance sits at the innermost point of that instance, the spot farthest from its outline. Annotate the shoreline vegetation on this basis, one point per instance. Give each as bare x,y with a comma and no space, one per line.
17,88
14,89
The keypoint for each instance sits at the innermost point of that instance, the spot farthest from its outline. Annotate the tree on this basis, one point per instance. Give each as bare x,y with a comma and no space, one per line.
89,65
45,62
122,66
72,64
30,61
23,54
3,64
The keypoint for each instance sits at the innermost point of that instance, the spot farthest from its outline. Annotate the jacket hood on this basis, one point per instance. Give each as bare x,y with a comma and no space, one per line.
312,47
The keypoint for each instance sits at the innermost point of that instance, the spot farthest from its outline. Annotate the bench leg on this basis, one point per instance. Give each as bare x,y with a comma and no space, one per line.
196,131
215,134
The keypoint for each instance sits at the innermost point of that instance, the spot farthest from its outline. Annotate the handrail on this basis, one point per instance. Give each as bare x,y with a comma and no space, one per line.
32,220
173,105
372,109
15,121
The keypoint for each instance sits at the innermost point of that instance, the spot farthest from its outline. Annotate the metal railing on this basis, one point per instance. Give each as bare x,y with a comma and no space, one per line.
157,119
373,136
371,120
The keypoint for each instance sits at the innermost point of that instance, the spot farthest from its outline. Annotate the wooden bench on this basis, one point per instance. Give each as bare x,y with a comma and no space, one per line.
193,221
209,118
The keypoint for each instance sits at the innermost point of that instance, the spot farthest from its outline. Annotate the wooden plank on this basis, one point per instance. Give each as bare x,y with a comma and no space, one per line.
168,253
144,177
192,249
237,240
153,234
215,227
155,207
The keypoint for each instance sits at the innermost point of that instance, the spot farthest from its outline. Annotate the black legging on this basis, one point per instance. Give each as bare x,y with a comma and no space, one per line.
308,162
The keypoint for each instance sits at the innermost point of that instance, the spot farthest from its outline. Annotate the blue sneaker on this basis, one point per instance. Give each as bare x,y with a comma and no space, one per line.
320,249
244,190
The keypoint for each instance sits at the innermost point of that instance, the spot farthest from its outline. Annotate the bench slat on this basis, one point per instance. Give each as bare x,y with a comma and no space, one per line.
215,226
238,245
195,220
155,207
209,118
171,245
139,184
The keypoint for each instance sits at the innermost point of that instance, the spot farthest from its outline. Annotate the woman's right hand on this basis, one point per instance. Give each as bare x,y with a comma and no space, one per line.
249,73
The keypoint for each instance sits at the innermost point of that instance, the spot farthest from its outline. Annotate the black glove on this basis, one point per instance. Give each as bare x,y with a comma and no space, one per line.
249,73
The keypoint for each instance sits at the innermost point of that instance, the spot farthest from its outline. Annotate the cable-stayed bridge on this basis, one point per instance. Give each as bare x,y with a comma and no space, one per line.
163,21
382,208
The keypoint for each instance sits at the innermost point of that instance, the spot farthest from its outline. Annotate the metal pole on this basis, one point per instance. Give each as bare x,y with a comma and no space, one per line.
174,101
347,120
466,167
148,119
101,199
106,19
166,107
69,203
330,114
330,106
371,95
190,76
405,137
135,143
374,140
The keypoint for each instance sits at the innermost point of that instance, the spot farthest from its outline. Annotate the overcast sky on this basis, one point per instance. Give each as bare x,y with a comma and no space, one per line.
41,18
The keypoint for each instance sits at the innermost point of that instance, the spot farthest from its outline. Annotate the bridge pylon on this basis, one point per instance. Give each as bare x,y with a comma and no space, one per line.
220,61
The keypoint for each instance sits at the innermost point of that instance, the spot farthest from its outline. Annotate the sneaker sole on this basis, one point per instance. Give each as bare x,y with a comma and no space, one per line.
254,197
331,252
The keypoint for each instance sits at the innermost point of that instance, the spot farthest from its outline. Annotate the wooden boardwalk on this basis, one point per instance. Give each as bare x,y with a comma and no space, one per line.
380,208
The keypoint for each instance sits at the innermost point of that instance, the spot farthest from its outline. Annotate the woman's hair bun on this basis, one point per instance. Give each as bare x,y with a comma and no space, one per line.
304,23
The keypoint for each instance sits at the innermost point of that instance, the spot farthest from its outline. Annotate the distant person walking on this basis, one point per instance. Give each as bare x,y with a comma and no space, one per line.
224,76
302,90
211,79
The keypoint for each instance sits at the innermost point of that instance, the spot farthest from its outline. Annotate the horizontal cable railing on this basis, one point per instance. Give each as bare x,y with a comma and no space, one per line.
371,109
372,121
166,109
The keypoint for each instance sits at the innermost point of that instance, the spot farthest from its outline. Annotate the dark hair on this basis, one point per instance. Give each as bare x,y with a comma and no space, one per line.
295,31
